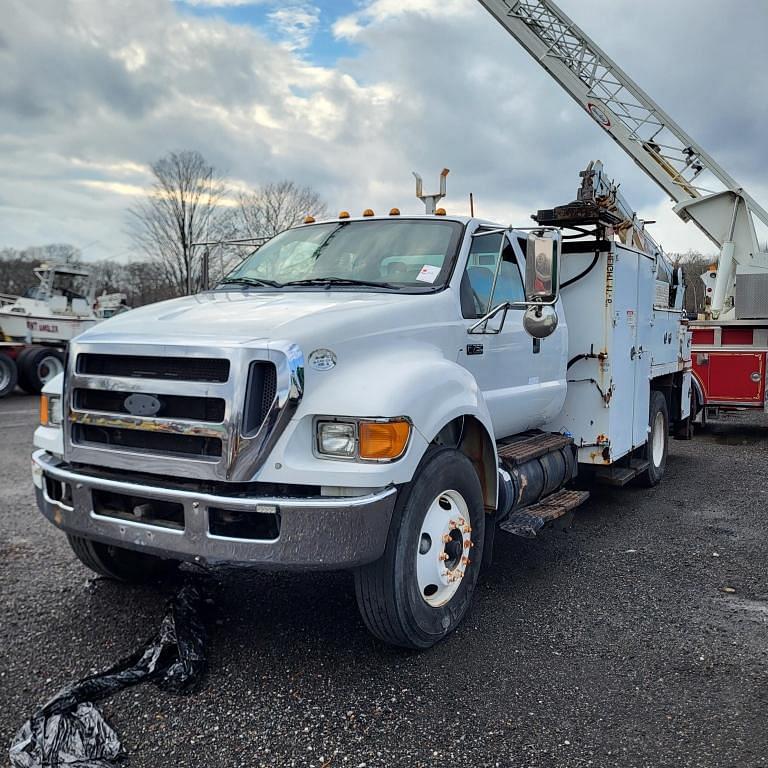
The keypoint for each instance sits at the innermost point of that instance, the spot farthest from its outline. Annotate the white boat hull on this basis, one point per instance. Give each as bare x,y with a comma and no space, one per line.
39,329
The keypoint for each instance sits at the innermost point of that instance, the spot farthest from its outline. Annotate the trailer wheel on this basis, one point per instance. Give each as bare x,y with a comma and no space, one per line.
8,375
37,366
422,586
118,563
657,447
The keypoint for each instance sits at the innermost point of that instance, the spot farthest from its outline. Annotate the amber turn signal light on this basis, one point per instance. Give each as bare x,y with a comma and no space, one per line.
383,439
44,410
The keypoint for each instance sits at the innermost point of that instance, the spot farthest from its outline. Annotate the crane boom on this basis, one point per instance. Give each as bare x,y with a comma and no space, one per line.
702,190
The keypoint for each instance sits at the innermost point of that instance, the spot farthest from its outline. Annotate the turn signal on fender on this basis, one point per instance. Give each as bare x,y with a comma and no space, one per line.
383,439
50,410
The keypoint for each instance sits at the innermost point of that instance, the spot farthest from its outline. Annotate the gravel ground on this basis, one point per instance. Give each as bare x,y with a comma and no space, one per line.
619,643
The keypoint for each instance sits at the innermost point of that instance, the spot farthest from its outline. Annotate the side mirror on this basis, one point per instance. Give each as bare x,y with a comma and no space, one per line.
541,267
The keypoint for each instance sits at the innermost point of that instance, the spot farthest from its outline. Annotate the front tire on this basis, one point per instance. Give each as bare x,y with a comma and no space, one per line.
657,447
422,586
118,563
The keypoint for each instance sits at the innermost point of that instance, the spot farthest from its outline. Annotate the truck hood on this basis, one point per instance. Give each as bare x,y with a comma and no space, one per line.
241,317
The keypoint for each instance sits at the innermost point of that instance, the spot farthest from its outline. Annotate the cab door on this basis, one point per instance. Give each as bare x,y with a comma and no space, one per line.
517,374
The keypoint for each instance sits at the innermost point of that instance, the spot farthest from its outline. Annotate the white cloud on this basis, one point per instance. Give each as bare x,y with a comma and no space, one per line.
352,25
220,3
296,25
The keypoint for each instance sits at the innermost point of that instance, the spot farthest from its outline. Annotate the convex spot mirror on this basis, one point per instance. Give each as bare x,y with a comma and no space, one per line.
541,267
540,321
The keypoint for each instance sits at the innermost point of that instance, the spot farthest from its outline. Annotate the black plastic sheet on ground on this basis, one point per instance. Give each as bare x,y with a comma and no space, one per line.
71,731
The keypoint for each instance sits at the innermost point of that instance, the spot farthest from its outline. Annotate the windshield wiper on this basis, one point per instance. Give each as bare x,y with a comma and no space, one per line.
259,281
329,281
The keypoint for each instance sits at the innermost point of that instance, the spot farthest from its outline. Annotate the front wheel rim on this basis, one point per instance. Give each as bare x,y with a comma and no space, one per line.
657,440
443,548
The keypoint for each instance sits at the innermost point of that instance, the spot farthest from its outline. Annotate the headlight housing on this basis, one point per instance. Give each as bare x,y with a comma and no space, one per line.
362,439
337,438
50,410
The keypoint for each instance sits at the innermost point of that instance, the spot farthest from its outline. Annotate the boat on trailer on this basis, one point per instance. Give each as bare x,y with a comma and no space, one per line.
61,307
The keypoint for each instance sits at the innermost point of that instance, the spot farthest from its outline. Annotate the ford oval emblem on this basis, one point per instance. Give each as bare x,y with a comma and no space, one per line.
139,404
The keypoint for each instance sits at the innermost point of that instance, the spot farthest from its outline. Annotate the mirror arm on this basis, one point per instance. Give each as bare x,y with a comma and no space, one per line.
506,306
483,321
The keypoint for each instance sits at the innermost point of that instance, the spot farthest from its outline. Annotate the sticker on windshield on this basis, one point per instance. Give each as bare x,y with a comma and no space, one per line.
428,274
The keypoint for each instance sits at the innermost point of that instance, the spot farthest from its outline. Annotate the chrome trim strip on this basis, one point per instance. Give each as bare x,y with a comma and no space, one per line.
149,424
150,386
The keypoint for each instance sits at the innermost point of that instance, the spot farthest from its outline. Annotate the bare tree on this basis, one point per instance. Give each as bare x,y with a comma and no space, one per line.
274,207
694,265
180,209
260,214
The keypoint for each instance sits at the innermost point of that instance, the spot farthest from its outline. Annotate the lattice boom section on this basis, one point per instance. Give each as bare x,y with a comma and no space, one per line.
604,81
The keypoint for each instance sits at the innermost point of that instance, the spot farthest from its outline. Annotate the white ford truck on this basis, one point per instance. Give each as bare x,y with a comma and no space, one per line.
373,393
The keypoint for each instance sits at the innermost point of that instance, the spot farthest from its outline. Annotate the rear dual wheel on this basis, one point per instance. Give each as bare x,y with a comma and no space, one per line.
8,375
37,366
422,587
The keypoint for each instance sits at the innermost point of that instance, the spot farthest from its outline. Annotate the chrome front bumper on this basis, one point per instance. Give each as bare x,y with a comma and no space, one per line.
314,533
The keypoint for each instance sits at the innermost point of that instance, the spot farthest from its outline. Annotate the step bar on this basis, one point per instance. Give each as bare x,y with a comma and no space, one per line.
528,521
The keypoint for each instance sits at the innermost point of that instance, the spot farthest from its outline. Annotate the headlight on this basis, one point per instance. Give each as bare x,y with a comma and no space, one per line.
336,438
363,439
50,411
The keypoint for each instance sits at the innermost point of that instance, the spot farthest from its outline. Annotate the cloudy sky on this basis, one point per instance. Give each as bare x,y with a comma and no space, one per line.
349,97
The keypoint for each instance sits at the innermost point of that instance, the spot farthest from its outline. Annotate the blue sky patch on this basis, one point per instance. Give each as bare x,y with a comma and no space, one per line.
323,49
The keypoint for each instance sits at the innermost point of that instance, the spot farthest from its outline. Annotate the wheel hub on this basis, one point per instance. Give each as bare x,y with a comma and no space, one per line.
657,440
443,550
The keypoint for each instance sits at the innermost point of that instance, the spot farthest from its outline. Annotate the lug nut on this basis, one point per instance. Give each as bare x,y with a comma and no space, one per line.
442,556
465,561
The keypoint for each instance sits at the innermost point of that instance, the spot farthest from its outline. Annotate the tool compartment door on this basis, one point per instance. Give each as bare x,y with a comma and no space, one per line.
644,347
624,352
732,377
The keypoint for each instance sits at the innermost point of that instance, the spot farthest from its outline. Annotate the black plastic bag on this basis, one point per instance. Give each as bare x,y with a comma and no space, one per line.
70,731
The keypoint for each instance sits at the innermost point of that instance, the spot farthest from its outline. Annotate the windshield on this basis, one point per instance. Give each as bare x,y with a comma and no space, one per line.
399,254
70,285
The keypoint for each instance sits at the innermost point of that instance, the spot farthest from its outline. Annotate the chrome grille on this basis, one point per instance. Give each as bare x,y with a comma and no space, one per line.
215,414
